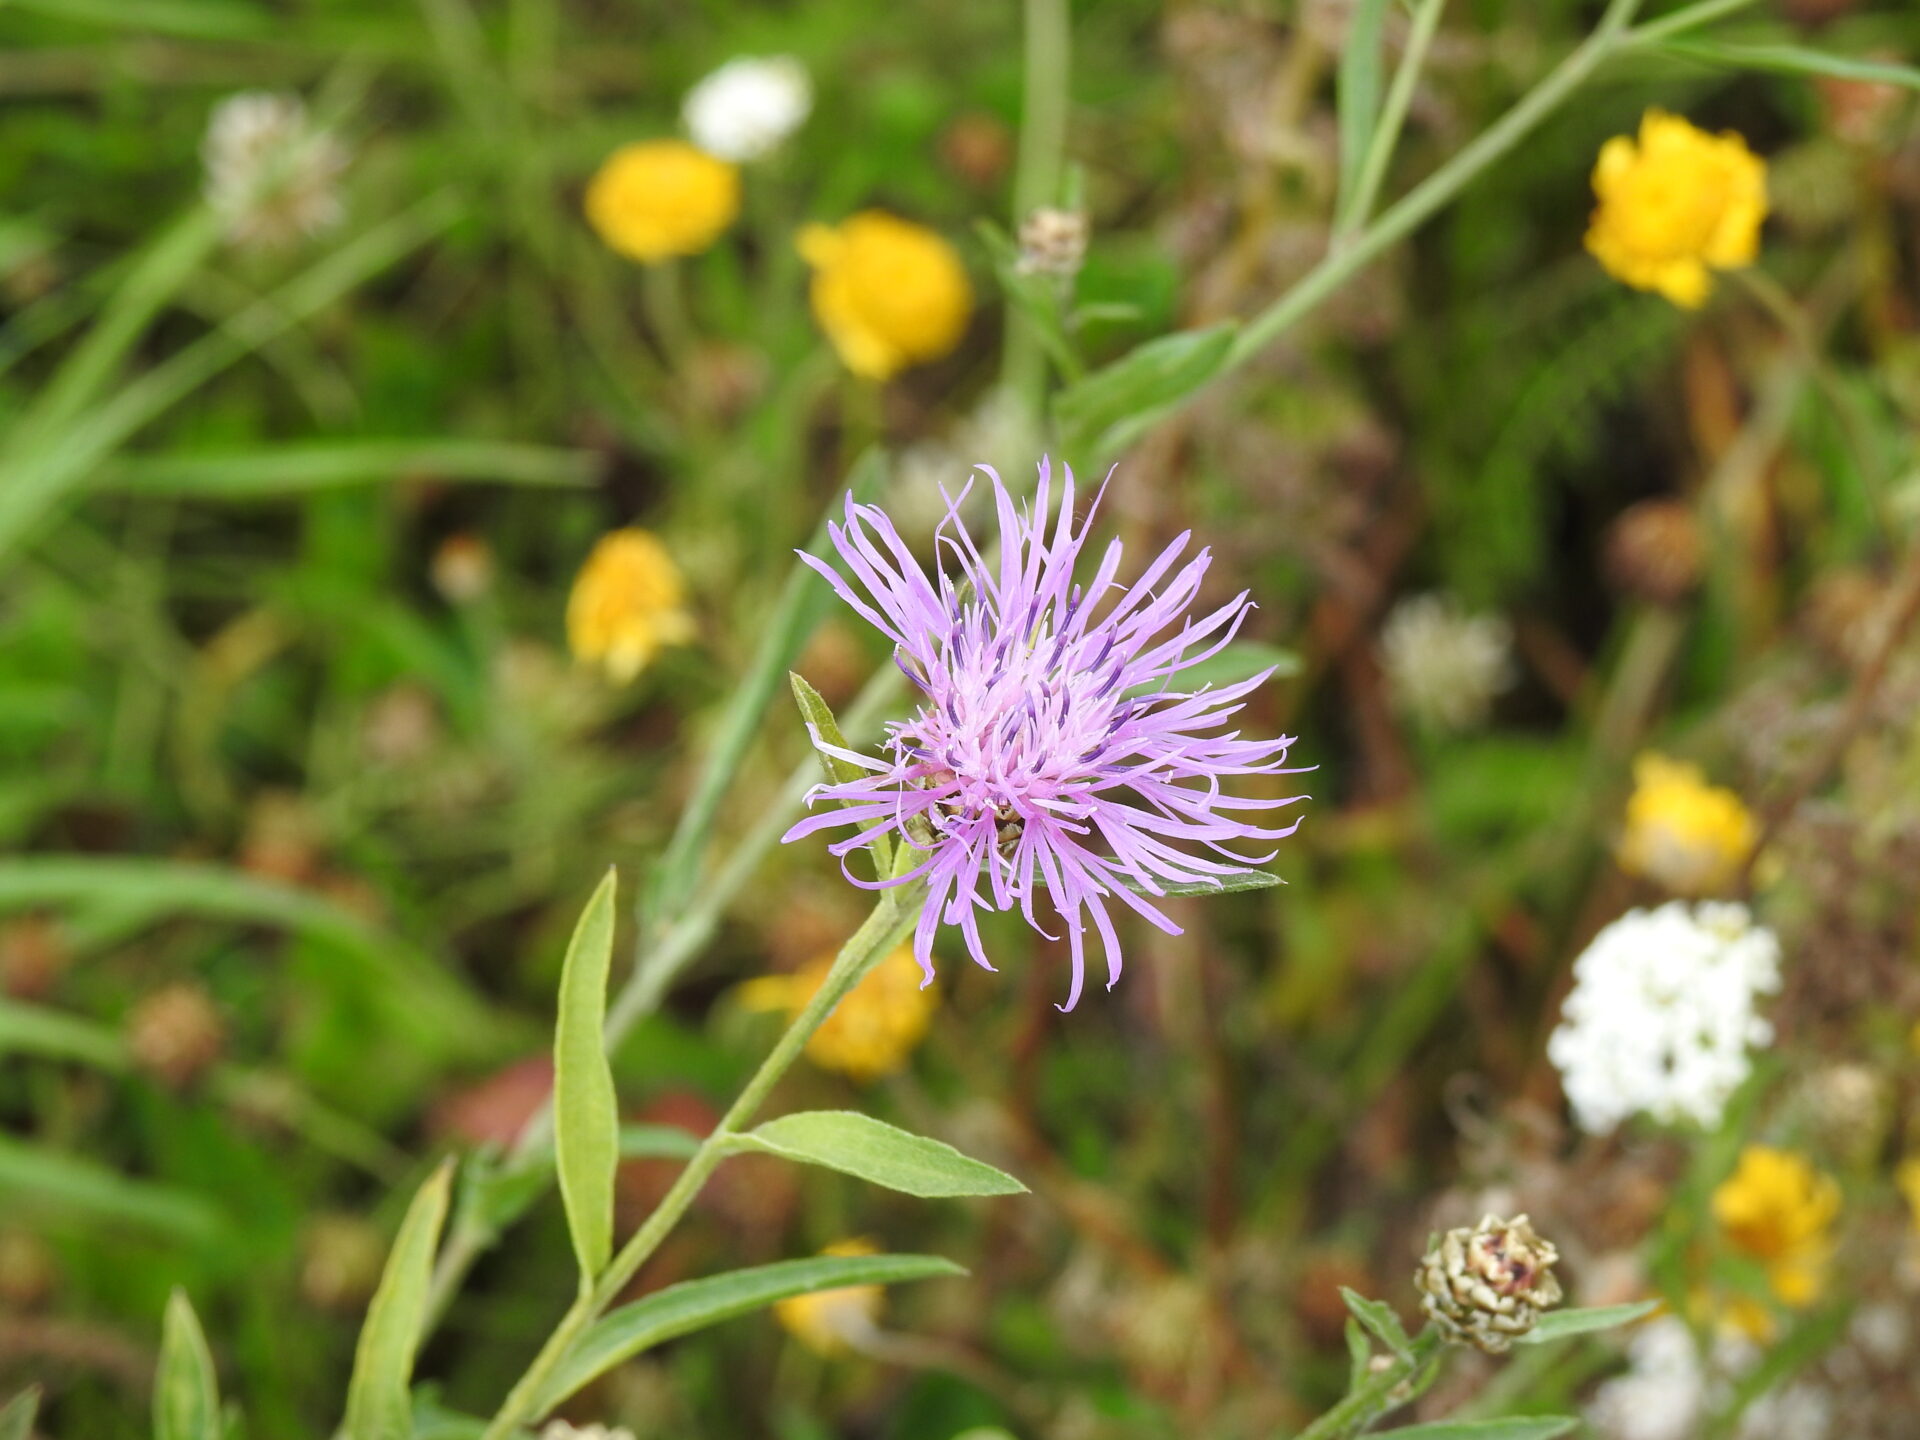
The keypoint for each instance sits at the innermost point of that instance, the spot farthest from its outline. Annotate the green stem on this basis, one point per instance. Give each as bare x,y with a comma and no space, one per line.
1036,180
1681,21
1377,1396
884,928
1393,115
1420,203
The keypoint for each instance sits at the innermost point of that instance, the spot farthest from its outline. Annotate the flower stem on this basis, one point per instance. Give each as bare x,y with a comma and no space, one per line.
890,921
1393,114
1036,181
1385,1391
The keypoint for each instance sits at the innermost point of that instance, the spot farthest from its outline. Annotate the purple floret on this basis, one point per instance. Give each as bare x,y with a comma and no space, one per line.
1050,759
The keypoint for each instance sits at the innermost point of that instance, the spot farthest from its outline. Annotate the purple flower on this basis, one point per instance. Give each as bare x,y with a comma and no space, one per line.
1054,757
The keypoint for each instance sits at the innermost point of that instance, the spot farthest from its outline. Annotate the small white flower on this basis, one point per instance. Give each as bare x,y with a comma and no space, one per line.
1443,665
1662,1015
269,177
1663,1393
743,110
561,1430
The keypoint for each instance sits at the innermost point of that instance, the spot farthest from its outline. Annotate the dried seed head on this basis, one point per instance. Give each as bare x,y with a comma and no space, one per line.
1053,242
1655,551
1484,1286
175,1034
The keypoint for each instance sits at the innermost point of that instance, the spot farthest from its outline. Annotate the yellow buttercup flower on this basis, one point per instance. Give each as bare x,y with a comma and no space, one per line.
1778,1209
888,293
1680,831
833,1321
873,1030
1908,1179
660,198
1674,205
627,602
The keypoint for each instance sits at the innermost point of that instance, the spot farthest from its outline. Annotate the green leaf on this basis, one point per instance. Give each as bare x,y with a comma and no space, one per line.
1109,409
696,1304
1361,70
856,1144
1359,1354
186,1396
288,471
1793,60
825,731
586,1116
16,1418
1565,1324
73,1188
1380,1321
1540,1427
379,1406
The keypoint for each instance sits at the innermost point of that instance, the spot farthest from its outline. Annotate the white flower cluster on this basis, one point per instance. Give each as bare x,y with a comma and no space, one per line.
743,110
561,1430
268,176
1669,1391
1662,1014
1444,666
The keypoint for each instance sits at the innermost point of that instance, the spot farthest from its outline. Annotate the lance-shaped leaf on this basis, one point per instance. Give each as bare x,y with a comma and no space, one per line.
1380,1321
186,1396
1565,1324
1796,60
1358,93
1107,410
379,1405
828,739
859,1145
17,1415
696,1304
586,1117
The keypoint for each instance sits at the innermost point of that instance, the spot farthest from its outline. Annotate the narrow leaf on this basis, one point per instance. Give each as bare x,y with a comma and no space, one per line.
1794,60
379,1406
1564,1324
1380,1321
16,1418
859,1145
186,1396
36,1177
288,471
825,731
1362,66
696,1304
1109,409
1539,1427
1359,1354
586,1117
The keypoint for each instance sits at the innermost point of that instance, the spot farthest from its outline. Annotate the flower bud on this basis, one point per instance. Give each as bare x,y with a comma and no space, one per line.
176,1035
1484,1286
1053,242
1655,551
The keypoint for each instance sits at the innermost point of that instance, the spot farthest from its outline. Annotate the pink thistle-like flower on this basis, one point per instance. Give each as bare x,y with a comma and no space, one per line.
1053,753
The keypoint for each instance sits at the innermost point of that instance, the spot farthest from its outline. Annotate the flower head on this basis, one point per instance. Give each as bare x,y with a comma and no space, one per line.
1674,205
888,293
1778,1209
831,1322
1681,832
1054,755
743,110
562,1430
657,199
1485,1285
1662,1014
1443,665
269,177
873,1030
627,603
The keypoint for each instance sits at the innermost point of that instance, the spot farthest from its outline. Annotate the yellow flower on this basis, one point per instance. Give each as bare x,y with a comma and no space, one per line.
660,198
627,602
1780,1210
1681,832
873,1030
888,293
1908,1179
831,1321
1674,205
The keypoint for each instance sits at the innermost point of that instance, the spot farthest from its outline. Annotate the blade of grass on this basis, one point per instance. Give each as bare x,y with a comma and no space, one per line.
290,471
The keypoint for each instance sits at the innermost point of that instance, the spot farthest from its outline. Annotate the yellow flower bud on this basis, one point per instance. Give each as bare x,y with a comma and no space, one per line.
660,198
1674,205
888,293
627,602
1681,832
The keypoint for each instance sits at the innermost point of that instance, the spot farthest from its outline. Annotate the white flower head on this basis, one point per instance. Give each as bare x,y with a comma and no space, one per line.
1445,666
561,1430
269,176
1662,1015
1662,1395
743,110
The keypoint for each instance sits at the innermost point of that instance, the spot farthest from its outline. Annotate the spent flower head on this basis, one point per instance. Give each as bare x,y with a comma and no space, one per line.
743,110
1055,756
1675,205
1662,1014
269,176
